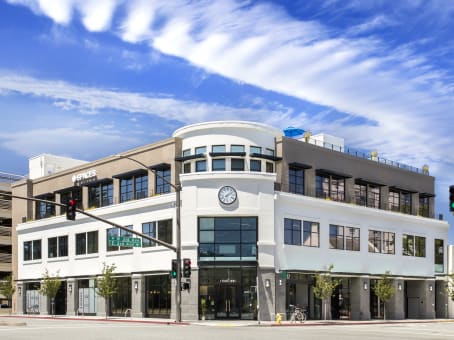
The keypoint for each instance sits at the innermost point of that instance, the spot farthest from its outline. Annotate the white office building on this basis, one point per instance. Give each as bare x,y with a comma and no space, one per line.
261,214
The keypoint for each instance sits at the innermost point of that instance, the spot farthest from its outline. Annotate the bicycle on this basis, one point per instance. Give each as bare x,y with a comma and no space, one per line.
297,314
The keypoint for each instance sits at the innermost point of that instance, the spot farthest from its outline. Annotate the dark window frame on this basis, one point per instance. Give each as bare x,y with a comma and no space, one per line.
293,232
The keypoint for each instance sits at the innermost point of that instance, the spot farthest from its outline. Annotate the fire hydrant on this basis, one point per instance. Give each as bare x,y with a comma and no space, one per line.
278,318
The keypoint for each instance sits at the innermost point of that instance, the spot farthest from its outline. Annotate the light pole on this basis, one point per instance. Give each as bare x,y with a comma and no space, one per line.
177,188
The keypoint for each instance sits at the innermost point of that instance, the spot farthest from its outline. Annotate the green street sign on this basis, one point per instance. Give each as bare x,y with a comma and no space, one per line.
124,241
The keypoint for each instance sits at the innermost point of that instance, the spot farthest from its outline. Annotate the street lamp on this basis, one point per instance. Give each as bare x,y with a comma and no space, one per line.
177,188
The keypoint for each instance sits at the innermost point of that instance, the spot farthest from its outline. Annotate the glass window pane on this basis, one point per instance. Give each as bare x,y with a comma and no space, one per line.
165,231
206,223
228,223
218,148
92,242
63,246
81,244
237,148
52,247
255,165
200,150
201,166
206,236
248,236
255,149
218,164
237,164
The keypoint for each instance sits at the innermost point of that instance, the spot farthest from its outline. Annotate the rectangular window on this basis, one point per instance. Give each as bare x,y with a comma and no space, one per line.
322,186
255,165
186,152
141,187
237,148
311,234
336,236
200,150
424,206
100,195
87,243
373,197
201,166
361,194
413,245
165,231
269,167
405,202
394,201
255,149
52,247
162,181
125,233
28,251
112,232
126,189
292,231
439,256
420,246
150,230
269,152
337,189
218,148
237,164
32,250
389,241
57,246
228,238
43,209
375,241
187,168
296,180
218,164
352,241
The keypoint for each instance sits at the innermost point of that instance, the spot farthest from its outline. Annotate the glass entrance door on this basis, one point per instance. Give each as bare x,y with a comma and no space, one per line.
227,303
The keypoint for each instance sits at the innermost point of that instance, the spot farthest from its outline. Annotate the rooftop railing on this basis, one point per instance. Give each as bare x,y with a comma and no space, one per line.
364,155
9,178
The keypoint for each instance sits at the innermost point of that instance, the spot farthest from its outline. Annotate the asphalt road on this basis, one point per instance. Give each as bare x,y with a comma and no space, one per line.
104,330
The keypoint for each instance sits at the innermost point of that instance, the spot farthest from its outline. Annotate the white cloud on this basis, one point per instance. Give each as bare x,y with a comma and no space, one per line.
97,14
91,100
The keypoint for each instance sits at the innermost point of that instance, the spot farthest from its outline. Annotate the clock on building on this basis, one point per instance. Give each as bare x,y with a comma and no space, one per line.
227,195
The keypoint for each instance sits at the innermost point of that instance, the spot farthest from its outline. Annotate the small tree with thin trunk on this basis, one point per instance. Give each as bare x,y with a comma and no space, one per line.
384,289
49,287
7,289
325,286
107,284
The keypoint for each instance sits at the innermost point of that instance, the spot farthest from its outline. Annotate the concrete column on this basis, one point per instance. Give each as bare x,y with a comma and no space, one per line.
431,207
72,295
266,287
152,183
116,190
360,298
384,193
57,207
100,304
395,307
429,292
281,304
441,299
85,197
44,304
138,296
189,298
349,190
20,298
173,313
309,182
415,204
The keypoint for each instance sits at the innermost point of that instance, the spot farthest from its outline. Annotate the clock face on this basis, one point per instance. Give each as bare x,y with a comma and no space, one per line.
227,195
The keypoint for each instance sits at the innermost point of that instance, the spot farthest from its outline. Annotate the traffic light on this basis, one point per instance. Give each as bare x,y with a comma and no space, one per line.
71,210
186,267
451,198
173,273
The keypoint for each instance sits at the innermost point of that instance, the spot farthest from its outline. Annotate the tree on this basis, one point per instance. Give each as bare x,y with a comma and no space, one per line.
450,286
107,284
49,287
384,289
324,286
7,288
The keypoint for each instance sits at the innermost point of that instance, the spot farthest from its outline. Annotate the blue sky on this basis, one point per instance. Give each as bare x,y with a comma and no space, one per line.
87,79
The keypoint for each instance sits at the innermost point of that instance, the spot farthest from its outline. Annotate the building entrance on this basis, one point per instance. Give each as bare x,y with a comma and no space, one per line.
228,306
228,293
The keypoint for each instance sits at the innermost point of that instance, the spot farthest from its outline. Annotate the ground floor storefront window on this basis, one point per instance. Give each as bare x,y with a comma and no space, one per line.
121,300
87,297
340,301
300,293
32,298
158,296
228,292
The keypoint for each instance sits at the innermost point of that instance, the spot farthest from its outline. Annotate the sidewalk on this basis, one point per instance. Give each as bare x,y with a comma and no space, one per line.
6,320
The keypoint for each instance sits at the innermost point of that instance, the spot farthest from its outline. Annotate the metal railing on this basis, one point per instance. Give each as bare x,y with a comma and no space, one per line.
364,155
9,178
